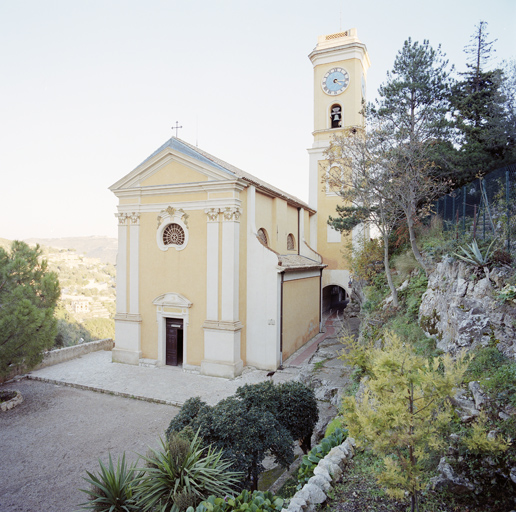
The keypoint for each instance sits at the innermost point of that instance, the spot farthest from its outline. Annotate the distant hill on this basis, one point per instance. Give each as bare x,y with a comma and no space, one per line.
101,247
4,243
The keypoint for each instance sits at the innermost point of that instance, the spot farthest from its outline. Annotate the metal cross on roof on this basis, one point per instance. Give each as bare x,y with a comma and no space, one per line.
176,127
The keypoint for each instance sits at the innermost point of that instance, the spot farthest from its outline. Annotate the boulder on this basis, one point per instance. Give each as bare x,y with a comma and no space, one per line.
320,482
450,481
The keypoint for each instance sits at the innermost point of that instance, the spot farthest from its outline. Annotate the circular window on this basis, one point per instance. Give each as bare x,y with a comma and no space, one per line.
173,234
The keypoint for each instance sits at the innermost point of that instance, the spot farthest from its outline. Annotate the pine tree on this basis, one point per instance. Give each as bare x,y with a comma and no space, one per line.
28,297
412,131
485,131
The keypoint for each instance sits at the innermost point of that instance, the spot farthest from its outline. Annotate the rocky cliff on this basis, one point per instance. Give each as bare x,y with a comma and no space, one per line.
461,308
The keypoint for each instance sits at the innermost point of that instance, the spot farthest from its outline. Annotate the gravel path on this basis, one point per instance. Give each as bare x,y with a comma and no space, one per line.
49,441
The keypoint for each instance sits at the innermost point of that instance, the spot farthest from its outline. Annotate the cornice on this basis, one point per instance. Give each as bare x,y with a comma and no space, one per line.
183,188
220,203
353,50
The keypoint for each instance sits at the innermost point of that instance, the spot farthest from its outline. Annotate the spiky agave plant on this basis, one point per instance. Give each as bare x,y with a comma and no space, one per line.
473,254
112,488
172,482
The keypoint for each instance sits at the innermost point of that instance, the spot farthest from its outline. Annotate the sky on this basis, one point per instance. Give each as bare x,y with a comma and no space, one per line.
90,88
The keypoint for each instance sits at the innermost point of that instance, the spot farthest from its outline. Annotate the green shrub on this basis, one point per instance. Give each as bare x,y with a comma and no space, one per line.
112,489
405,264
257,501
317,453
176,477
260,419
292,403
334,424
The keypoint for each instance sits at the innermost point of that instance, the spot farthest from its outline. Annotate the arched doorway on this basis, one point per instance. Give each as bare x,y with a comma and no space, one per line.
334,298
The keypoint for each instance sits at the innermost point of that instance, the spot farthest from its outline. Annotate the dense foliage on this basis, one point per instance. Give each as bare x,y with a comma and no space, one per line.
28,297
256,501
260,419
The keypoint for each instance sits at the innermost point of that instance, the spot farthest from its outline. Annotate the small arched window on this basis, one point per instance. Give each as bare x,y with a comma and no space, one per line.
291,242
262,236
173,234
336,116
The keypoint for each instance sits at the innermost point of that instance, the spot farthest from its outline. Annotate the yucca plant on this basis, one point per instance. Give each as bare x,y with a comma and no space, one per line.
473,254
112,489
175,479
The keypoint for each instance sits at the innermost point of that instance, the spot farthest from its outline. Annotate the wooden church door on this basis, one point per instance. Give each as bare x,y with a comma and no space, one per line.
174,342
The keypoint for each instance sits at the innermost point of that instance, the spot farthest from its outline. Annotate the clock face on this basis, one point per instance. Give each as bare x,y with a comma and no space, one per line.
335,81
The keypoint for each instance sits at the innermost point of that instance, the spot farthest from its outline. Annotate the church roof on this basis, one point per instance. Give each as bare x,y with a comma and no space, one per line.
202,156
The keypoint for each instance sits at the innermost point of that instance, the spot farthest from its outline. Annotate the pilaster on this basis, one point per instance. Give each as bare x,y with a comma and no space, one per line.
222,336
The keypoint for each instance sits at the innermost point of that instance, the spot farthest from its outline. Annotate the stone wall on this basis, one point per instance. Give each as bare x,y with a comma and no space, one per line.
461,310
65,354
327,472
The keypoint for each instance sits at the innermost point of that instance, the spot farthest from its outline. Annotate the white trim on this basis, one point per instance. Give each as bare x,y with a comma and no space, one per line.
212,264
134,268
181,306
185,206
332,235
230,268
182,188
121,268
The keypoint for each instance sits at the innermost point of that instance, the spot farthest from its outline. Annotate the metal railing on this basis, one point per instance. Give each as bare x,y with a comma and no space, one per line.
486,207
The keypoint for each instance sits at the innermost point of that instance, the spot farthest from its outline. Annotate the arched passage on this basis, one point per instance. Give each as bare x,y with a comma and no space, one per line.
334,297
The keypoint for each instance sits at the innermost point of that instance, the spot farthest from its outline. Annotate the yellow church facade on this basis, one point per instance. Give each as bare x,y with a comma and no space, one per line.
218,270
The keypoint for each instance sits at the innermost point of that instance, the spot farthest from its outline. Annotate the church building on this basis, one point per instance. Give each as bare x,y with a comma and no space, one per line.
217,269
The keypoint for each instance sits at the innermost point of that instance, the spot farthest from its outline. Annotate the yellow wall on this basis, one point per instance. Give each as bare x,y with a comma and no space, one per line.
279,219
300,313
159,274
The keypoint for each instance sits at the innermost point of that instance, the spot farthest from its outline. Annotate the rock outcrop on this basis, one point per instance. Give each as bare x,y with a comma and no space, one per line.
460,308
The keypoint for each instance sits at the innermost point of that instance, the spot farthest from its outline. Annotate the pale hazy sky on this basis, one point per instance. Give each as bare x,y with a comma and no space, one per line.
90,88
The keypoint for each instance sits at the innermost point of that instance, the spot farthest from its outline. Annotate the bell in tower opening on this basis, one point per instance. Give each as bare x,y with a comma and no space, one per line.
336,116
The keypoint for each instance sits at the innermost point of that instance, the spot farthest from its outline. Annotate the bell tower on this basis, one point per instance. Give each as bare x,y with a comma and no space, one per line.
340,64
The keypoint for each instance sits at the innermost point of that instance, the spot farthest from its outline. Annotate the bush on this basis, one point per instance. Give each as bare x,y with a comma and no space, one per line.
259,419
112,489
181,475
292,403
405,264
245,502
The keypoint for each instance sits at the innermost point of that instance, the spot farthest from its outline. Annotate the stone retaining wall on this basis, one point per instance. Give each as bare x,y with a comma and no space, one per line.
65,354
327,472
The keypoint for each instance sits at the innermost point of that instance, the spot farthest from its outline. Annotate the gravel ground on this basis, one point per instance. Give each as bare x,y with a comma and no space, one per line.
49,441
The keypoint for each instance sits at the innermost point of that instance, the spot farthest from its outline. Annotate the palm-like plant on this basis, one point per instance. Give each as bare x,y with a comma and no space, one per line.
473,254
175,479
112,489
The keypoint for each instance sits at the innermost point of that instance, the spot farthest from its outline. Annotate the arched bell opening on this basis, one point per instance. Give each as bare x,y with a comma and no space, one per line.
334,298
336,116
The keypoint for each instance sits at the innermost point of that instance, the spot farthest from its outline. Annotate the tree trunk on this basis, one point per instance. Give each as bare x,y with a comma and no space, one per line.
415,250
388,274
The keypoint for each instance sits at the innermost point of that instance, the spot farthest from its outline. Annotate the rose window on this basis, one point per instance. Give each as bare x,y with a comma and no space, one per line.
173,234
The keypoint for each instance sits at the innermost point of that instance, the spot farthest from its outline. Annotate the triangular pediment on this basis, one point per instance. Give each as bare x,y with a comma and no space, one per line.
172,300
173,164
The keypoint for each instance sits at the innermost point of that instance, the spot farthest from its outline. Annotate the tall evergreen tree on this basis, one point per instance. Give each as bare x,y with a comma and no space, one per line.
481,112
28,297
